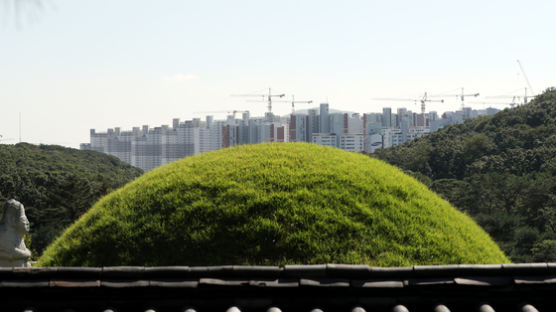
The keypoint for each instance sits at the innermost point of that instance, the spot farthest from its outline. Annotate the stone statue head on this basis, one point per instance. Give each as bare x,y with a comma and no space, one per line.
13,215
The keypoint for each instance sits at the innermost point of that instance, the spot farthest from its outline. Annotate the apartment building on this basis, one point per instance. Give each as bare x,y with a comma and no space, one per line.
148,148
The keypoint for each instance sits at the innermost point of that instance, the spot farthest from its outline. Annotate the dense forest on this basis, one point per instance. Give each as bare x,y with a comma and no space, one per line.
500,169
57,185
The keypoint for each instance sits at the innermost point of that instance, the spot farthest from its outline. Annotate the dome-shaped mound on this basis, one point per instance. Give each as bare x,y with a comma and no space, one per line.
273,204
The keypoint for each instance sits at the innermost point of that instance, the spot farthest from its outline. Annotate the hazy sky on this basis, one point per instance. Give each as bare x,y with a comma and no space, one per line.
76,65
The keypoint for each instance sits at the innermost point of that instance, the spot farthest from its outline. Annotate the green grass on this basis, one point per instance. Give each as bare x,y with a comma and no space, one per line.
273,204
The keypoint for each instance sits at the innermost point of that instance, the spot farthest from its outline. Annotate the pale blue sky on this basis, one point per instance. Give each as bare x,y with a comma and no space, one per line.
99,64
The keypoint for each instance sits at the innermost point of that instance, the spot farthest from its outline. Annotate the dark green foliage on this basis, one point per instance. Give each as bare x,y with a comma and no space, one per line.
544,250
500,169
273,204
57,185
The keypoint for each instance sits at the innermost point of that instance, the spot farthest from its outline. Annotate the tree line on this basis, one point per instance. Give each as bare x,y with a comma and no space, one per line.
57,184
500,169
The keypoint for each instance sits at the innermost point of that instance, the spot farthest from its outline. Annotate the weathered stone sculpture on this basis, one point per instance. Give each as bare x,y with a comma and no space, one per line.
13,226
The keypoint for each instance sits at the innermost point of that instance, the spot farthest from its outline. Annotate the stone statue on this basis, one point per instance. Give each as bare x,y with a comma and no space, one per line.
13,226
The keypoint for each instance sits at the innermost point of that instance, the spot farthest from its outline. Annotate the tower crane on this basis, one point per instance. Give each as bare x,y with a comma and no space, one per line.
518,98
461,96
293,101
515,98
233,112
265,98
526,80
511,104
422,100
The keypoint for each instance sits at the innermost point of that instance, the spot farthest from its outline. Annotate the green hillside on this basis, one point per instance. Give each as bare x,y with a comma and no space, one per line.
273,203
500,169
57,184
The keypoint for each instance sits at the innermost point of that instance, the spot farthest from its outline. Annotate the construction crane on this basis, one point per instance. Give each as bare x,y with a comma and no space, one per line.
511,104
461,96
293,101
422,100
267,98
233,112
526,80
525,96
515,98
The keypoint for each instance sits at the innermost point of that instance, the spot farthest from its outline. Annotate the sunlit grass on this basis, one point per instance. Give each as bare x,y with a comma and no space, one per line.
273,204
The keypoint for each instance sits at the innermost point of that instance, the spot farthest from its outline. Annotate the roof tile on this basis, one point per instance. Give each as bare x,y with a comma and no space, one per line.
174,283
256,271
275,283
167,271
134,272
348,270
314,270
534,280
391,272
430,282
525,268
24,283
222,282
74,283
483,281
78,272
131,283
324,282
377,283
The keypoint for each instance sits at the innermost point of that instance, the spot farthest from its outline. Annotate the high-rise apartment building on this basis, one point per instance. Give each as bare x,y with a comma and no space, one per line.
387,117
148,148
299,128
324,119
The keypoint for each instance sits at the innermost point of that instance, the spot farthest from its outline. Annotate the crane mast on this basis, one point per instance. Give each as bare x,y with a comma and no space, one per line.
461,96
293,101
425,98
264,98
231,113
526,80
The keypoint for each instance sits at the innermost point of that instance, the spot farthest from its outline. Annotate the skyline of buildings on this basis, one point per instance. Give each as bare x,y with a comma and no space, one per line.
148,148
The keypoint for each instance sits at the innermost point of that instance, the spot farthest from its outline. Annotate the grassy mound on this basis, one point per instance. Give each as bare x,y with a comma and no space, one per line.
273,204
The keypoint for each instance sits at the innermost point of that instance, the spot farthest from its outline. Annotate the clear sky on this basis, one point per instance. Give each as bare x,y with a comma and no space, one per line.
75,65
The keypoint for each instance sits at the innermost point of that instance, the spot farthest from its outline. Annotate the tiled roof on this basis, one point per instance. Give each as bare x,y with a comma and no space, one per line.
332,287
